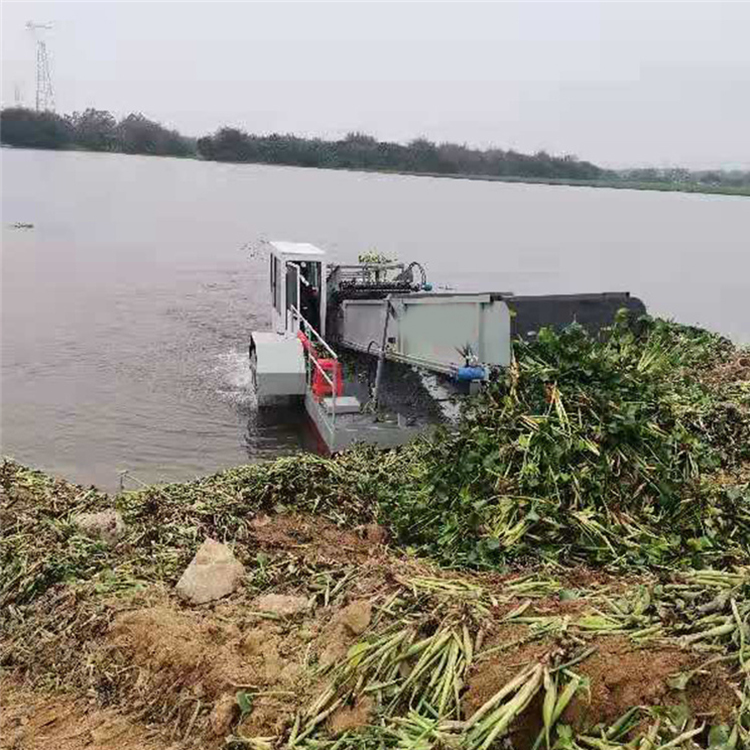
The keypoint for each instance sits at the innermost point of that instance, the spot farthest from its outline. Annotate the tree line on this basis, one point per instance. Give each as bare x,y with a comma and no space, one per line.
736,178
91,130
361,151
99,130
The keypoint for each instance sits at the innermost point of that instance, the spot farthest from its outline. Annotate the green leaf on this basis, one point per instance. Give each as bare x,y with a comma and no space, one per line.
718,737
354,654
679,681
679,714
245,702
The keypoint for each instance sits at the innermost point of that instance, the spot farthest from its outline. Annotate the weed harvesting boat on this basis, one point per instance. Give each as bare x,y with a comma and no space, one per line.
334,327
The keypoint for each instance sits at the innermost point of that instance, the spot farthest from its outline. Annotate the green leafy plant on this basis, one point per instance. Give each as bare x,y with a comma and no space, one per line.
245,702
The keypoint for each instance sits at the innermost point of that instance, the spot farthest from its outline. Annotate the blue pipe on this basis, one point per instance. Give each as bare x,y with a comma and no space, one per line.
470,373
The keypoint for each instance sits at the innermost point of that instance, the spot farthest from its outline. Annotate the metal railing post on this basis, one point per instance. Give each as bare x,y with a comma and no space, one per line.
381,355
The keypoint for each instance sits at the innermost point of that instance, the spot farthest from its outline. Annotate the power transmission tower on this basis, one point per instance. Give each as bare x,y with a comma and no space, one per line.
45,95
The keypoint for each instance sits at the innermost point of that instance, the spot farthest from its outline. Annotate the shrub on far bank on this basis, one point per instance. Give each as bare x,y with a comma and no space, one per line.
91,130
29,129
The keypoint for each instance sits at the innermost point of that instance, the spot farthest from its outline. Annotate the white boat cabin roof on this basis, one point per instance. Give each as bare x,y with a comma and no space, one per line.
298,251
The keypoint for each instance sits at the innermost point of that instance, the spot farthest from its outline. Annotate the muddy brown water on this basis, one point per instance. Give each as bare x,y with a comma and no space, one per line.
127,307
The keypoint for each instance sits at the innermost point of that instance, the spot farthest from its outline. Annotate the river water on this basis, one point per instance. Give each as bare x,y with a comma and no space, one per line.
126,308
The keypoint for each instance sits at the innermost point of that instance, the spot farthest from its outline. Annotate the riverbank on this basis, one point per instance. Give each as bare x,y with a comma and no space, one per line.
613,184
572,562
663,187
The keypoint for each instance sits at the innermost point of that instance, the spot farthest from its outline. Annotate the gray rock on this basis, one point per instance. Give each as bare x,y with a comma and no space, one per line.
106,525
280,604
213,572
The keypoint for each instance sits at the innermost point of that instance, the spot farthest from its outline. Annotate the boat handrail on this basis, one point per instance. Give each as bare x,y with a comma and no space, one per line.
325,375
311,330
308,330
330,381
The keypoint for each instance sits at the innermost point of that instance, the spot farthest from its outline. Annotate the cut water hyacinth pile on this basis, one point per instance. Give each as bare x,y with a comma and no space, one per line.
628,452
424,705
569,568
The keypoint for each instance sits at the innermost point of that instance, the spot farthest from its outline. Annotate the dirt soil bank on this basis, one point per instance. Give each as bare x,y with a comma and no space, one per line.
133,666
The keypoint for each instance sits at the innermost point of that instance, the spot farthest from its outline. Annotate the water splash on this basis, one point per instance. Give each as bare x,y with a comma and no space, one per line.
235,379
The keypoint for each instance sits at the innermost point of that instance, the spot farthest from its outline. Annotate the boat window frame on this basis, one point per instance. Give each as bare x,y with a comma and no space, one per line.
274,274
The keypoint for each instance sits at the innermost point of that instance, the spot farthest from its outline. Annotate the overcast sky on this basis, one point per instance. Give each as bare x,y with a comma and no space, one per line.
628,83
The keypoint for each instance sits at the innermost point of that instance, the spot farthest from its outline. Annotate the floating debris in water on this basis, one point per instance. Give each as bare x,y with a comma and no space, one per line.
21,225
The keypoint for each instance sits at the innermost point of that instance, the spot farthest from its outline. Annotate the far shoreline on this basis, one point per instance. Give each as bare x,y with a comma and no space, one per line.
659,187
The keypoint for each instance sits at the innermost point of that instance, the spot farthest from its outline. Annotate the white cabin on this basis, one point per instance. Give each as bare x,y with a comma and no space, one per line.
298,283
297,275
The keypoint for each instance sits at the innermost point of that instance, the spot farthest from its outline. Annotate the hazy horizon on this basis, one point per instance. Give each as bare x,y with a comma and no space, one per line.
618,84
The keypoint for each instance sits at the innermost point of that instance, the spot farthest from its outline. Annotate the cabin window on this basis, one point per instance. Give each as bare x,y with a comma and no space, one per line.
292,285
311,272
279,281
275,280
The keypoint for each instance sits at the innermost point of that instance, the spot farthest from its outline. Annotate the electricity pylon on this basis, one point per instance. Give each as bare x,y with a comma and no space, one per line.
45,94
